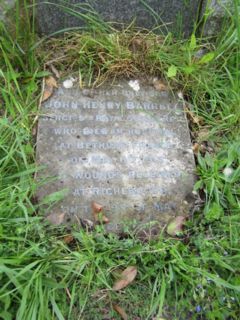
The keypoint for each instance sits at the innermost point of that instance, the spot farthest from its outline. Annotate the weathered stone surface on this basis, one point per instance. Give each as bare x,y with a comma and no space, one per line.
177,15
217,10
127,150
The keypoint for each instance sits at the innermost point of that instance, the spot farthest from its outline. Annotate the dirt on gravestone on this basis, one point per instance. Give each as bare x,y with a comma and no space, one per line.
124,146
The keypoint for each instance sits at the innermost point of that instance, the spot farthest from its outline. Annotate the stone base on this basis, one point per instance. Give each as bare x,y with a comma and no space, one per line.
177,16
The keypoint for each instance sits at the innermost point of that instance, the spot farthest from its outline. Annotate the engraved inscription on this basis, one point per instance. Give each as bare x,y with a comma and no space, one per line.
126,150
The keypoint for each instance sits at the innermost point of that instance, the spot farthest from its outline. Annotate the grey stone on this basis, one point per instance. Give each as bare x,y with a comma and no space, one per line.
217,13
177,15
127,150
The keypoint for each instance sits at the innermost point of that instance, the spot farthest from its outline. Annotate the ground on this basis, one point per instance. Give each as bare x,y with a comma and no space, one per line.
54,272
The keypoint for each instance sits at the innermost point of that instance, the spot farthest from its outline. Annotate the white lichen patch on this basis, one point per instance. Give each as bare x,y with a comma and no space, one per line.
68,83
134,84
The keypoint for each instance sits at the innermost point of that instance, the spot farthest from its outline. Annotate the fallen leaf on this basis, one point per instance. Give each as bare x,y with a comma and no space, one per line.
120,311
96,207
47,94
159,85
196,148
97,213
194,118
175,226
199,148
68,239
126,277
56,218
54,71
50,84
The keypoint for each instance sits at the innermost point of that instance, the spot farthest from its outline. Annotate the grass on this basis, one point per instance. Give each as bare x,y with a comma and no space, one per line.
193,277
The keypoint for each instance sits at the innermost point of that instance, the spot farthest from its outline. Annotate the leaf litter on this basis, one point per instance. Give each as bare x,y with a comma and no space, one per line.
50,84
120,311
68,239
126,277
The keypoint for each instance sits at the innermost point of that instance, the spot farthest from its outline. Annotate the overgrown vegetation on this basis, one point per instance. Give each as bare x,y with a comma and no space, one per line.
193,277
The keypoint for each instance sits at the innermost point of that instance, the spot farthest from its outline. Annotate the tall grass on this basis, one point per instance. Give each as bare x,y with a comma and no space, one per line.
196,276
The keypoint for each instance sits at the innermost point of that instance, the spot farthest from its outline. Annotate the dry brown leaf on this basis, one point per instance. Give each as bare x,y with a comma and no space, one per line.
199,148
120,311
50,84
56,218
126,277
97,213
175,226
47,93
54,71
96,207
68,239
196,148
160,85
194,118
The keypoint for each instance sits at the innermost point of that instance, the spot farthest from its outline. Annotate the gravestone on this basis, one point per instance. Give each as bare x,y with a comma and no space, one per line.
178,16
124,149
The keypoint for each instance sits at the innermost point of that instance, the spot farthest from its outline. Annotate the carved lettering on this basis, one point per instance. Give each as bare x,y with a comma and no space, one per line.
97,175
131,191
126,150
108,105
95,145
